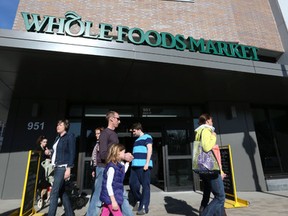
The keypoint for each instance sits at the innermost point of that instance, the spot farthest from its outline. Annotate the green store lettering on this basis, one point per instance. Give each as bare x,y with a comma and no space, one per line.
64,26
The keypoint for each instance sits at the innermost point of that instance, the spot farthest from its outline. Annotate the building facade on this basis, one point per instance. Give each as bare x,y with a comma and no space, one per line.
162,63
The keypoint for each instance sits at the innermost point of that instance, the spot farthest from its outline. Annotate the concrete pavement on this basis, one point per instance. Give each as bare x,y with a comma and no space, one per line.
187,204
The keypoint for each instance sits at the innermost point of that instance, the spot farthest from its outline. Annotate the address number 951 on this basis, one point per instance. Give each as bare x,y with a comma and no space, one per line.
35,126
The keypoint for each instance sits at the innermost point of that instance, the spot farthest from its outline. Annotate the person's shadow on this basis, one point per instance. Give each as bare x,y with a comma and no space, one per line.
15,211
179,207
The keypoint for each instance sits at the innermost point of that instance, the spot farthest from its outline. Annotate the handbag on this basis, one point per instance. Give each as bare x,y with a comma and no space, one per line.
203,162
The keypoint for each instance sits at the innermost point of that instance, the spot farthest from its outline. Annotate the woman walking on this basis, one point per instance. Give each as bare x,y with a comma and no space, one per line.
211,182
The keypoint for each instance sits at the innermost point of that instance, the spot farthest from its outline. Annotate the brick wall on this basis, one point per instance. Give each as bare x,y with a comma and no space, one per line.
244,21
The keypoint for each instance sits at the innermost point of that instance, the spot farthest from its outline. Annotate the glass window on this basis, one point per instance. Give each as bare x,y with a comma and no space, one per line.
75,111
180,172
160,111
279,119
272,134
100,111
90,142
178,142
197,111
75,128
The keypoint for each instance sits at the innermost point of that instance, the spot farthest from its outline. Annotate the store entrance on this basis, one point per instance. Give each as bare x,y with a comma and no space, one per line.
171,150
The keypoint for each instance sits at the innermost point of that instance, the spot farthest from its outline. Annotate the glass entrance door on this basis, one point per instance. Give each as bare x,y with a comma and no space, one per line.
88,139
171,128
126,138
172,159
178,156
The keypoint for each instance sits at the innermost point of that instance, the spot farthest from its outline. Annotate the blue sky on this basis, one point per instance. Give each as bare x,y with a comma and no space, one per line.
8,10
284,7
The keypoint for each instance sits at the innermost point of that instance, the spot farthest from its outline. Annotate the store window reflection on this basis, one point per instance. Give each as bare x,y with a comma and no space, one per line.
272,134
178,142
180,172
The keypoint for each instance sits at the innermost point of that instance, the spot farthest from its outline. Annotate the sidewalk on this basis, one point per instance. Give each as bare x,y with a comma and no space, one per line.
187,204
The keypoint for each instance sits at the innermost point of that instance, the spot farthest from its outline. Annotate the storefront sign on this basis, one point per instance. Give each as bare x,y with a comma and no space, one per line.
72,25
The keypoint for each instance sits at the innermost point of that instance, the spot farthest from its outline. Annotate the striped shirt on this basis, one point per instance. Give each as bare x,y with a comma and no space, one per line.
140,151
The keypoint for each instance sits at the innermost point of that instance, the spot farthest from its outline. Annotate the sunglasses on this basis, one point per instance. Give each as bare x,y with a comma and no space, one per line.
117,118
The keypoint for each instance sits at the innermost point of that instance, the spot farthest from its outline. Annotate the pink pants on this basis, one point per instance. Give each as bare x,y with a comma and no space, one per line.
107,209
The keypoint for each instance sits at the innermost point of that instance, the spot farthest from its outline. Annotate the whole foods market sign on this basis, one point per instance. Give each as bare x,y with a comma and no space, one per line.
137,36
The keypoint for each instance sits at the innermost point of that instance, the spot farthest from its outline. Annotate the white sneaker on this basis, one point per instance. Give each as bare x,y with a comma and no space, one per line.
135,208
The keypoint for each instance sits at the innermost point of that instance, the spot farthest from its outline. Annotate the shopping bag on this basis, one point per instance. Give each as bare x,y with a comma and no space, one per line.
204,162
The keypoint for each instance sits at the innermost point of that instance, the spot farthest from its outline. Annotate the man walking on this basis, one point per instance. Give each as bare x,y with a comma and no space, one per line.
141,169
107,137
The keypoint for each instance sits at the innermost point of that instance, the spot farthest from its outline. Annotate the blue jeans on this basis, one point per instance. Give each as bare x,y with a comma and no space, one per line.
216,206
126,208
58,190
138,176
95,203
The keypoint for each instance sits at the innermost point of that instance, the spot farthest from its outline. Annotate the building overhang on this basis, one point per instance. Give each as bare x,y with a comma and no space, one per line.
141,73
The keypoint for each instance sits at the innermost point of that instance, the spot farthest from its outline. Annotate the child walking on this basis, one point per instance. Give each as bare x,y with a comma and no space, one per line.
112,185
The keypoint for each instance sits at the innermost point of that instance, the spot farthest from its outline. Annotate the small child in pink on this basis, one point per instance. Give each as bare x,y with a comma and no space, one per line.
112,185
